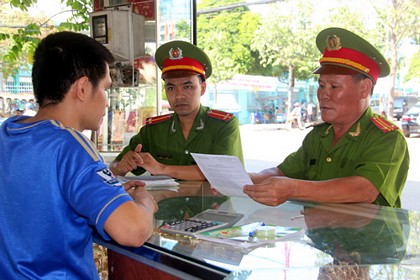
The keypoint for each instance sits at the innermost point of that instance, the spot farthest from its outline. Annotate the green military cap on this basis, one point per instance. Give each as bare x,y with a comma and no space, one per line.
176,56
343,52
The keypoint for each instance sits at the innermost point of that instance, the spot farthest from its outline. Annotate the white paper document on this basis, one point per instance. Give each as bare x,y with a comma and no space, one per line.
224,173
153,182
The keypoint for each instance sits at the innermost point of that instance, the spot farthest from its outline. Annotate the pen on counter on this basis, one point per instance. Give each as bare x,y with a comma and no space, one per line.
297,217
253,231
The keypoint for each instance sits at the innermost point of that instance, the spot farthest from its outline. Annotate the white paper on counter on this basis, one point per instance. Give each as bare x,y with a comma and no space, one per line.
153,182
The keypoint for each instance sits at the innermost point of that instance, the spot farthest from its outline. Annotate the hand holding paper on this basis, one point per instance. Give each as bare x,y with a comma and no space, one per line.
225,173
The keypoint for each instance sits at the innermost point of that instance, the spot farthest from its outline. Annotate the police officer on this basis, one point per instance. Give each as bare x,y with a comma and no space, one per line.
355,155
164,144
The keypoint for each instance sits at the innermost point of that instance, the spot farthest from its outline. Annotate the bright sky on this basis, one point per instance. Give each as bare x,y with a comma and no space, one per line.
50,8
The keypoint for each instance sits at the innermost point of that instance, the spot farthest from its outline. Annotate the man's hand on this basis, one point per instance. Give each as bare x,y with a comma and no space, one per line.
137,191
134,184
277,189
272,191
151,164
130,161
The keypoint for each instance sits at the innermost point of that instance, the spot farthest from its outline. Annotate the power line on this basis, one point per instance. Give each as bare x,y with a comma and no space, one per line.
234,6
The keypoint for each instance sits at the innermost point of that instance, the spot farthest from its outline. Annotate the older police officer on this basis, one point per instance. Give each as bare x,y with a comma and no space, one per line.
355,155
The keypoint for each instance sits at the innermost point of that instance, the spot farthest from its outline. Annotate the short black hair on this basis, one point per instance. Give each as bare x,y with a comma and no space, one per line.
361,77
63,57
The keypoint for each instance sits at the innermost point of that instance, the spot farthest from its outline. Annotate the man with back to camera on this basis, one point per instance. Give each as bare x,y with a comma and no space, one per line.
164,144
355,155
59,190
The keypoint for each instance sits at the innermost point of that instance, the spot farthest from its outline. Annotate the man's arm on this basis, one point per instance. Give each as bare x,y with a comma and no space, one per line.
276,190
131,224
135,159
182,172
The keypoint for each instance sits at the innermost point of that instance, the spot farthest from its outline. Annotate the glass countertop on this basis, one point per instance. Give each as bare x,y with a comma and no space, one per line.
333,241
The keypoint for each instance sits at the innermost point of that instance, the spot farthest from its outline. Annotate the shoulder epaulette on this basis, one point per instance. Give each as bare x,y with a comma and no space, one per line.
158,119
219,115
383,124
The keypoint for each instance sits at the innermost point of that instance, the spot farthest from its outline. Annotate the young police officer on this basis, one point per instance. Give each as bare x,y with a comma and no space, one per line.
164,144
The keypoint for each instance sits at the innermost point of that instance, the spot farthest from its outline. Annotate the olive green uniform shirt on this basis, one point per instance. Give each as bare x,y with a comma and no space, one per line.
209,135
377,152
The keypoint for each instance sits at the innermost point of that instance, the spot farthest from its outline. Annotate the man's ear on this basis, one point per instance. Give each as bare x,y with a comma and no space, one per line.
82,86
203,87
367,85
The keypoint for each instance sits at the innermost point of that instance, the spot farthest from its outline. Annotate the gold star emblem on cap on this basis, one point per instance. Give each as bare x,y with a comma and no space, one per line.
175,53
333,42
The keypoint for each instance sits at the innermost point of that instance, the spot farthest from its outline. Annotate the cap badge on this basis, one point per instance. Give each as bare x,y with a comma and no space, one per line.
175,53
333,43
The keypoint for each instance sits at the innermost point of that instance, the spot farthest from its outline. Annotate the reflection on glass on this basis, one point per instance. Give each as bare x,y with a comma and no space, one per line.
355,241
184,207
127,112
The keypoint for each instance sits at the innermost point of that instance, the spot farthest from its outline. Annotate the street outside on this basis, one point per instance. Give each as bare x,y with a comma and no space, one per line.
266,145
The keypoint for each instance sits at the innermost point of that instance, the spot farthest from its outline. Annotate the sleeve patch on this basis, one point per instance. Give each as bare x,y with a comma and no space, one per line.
219,115
383,124
158,119
108,178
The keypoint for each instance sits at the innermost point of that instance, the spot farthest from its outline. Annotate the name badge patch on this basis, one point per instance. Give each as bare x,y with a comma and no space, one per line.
108,177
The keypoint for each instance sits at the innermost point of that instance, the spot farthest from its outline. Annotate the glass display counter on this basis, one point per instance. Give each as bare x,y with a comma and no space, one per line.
336,241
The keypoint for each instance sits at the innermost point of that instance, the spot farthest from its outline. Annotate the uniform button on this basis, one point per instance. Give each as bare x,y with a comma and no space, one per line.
187,152
329,159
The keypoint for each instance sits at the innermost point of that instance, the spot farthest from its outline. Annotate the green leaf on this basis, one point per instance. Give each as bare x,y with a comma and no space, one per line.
4,36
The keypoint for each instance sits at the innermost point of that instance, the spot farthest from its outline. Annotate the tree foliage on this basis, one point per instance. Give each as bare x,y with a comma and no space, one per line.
397,20
183,30
18,41
286,39
414,70
14,41
226,38
239,41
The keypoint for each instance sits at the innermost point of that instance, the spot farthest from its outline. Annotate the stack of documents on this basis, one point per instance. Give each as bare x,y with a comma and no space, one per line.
153,182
